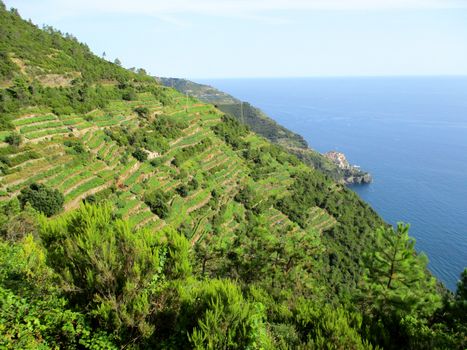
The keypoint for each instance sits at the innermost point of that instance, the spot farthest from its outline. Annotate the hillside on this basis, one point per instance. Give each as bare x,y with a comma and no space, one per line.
261,124
133,217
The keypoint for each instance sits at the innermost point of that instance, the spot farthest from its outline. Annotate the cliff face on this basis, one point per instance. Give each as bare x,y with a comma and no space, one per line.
263,125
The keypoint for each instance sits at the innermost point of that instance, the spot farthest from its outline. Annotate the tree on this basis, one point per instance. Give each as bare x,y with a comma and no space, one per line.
142,71
216,315
46,200
14,139
327,327
396,282
15,224
140,154
118,275
157,202
182,190
33,312
461,293
118,62
142,111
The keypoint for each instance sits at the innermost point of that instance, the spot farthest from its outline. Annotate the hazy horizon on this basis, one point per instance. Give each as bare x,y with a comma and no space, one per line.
325,77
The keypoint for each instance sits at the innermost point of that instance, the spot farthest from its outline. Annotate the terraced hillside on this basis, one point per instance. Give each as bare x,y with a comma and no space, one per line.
263,125
102,165
134,217
99,132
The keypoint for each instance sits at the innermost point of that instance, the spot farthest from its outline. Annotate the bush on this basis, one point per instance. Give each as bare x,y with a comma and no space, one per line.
76,145
140,154
182,190
156,162
115,274
129,95
13,139
42,198
157,202
142,111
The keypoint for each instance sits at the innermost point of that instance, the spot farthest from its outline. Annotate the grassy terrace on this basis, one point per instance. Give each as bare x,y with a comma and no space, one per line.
217,167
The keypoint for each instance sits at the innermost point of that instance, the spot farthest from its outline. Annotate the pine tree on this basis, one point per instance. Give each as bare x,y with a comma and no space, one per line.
115,273
396,282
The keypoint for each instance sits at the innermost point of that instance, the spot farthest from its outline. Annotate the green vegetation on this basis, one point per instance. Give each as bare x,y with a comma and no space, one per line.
140,154
13,139
42,198
261,124
157,202
194,233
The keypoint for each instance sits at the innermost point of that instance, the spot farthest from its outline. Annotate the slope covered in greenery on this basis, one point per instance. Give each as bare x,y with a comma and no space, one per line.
132,217
261,124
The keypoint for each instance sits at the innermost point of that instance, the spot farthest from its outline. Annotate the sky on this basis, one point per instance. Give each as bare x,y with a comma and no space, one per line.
209,39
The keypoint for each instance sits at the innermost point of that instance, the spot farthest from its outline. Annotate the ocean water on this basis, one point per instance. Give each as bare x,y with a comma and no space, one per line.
410,133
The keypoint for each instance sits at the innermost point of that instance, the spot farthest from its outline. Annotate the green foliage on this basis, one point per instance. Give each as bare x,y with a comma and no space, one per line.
165,129
125,270
7,67
15,224
143,112
219,317
398,296
188,152
21,157
76,145
461,293
396,282
168,127
157,202
33,314
251,200
279,250
231,131
14,139
42,198
325,327
33,45
182,190
140,154
100,196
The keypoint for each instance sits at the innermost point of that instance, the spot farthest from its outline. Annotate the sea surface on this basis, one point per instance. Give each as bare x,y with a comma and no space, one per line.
410,133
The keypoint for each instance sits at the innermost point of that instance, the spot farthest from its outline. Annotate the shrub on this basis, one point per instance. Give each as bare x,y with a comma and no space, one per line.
140,154
42,198
157,202
76,145
115,274
129,95
13,139
182,190
142,111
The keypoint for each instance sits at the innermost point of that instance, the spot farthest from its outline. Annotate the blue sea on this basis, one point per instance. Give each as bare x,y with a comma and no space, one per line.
410,133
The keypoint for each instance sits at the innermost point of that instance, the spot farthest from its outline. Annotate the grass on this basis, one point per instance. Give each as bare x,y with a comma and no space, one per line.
36,119
48,132
36,127
92,183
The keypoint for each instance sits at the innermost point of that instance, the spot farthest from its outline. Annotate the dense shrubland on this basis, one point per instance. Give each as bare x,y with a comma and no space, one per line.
87,279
